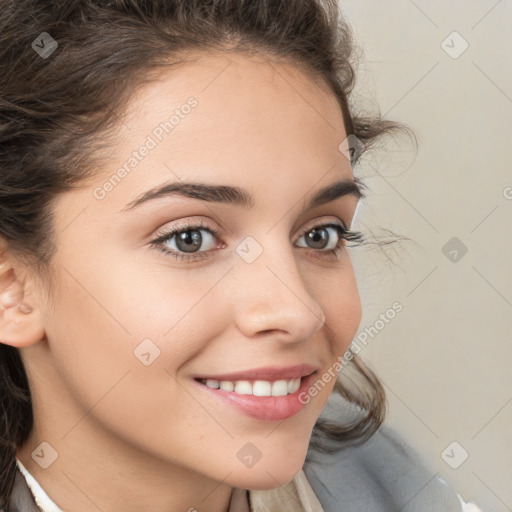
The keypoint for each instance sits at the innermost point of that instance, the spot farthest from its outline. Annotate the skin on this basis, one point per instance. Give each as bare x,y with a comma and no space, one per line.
133,437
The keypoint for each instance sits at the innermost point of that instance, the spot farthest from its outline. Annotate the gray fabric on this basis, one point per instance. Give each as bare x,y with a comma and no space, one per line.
22,499
385,474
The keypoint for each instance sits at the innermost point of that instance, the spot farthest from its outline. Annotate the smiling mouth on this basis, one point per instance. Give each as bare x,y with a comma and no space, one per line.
256,387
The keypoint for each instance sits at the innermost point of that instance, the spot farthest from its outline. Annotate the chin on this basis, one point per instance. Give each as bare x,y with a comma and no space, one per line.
270,474
265,482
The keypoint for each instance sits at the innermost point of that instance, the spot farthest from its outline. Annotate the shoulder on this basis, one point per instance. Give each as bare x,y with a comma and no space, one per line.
383,474
21,499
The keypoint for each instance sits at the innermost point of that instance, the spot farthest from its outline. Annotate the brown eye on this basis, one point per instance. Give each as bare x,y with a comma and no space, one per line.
318,238
188,239
327,240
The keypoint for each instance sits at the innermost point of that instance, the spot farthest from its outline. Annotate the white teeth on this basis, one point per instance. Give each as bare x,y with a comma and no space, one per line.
243,387
226,385
256,388
293,385
212,383
280,388
262,388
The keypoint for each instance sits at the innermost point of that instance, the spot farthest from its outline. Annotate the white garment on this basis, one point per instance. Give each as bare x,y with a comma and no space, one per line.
469,506
42,499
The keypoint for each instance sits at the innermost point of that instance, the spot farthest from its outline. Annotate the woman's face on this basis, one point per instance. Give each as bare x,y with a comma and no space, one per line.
134,322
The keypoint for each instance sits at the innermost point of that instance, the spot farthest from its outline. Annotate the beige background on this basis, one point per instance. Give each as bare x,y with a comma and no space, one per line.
446,359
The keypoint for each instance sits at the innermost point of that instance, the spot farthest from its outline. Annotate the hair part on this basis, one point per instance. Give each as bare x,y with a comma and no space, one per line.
57,113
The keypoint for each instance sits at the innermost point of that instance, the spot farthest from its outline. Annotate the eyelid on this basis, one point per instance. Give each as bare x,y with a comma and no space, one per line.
202,223
344,234
322,221
188,224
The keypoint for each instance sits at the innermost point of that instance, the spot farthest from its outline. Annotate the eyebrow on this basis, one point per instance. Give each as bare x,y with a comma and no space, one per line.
237,196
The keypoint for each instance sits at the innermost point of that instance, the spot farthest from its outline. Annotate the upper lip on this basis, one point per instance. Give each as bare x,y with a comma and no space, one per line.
265,373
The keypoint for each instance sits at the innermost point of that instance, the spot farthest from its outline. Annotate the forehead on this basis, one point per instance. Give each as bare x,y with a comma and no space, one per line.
254,121
232,78
237,92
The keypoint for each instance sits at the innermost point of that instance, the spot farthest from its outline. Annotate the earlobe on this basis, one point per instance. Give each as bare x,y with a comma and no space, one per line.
20,319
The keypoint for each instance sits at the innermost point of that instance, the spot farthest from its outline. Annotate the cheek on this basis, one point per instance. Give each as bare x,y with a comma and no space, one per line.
117,340
112,317
341,304
346,316
339,298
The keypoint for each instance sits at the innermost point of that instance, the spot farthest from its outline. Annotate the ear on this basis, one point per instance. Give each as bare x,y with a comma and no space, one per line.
20,319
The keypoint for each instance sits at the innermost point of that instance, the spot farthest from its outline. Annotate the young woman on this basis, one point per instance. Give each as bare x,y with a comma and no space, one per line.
177,296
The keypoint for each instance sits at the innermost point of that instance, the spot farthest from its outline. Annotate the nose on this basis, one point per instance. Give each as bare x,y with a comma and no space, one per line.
271,297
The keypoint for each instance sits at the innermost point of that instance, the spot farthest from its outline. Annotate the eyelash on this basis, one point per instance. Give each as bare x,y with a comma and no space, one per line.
344,234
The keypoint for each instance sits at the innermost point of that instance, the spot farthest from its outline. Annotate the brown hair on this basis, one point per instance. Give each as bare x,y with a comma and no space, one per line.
55,111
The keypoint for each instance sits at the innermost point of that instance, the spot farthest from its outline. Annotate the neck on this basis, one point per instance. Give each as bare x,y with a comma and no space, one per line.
105,476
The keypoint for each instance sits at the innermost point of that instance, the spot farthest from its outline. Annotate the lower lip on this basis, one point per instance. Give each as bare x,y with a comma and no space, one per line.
267,408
